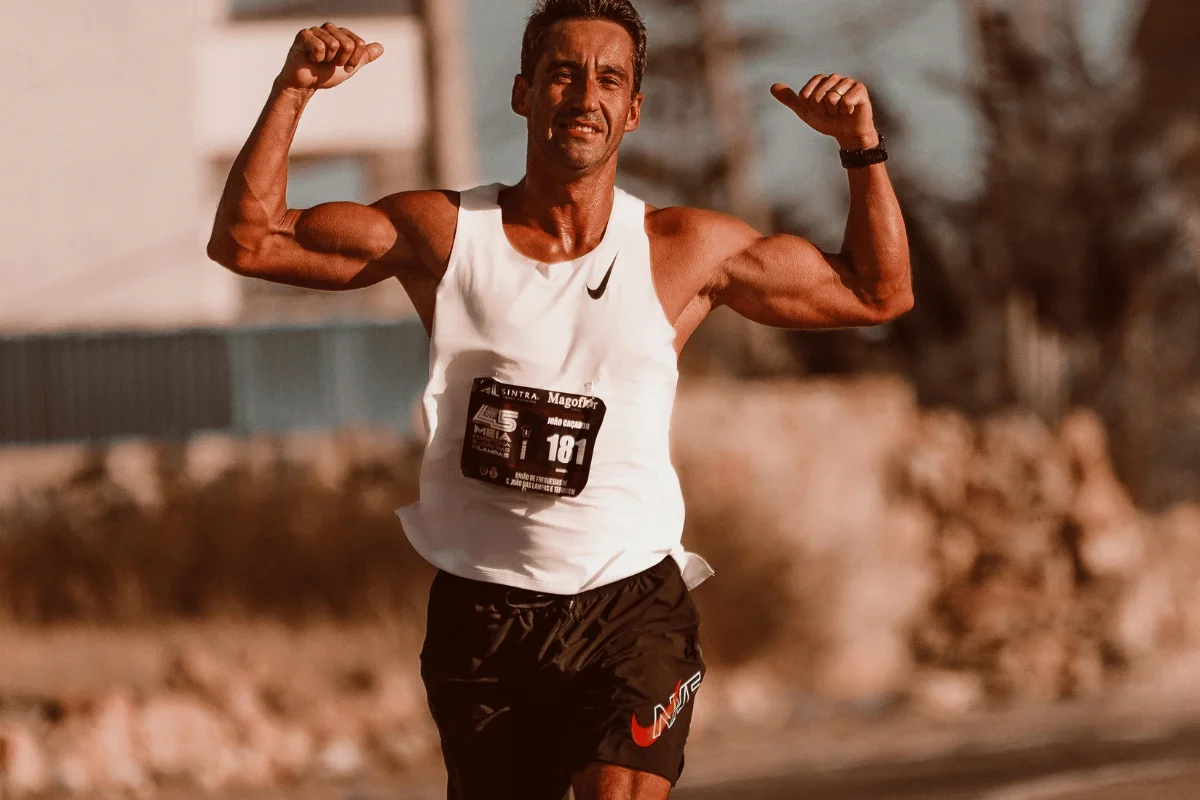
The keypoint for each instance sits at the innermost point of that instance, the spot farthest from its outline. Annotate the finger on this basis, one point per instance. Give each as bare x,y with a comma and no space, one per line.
332,45
818,95
360,53
346,45
371,52
784,94
835,98
854,98
314,46
811,86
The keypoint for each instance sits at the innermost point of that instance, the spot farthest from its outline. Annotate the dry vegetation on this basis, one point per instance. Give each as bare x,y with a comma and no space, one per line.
868,552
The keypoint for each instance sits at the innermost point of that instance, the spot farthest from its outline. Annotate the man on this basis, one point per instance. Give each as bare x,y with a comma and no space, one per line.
561,648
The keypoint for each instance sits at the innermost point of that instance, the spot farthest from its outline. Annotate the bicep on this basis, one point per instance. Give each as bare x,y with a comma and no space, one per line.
787,282
333,246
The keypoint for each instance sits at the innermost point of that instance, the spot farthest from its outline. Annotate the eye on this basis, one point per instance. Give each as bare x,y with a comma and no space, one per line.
610,81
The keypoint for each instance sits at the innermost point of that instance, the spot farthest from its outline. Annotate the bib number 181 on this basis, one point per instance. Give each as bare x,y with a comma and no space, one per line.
563,447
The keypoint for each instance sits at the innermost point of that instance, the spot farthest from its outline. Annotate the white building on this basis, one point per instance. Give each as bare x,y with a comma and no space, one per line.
120,124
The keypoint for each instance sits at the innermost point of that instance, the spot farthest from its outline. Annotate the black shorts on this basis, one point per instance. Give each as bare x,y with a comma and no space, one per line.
527,688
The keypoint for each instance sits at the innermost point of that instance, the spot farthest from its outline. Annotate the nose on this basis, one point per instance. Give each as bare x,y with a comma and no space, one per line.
589,96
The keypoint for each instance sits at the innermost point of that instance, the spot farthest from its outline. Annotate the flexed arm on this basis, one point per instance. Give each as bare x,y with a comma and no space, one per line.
331,246
787,282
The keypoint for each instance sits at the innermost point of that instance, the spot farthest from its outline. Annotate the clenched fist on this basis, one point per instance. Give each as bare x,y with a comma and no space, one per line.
835,106
324,57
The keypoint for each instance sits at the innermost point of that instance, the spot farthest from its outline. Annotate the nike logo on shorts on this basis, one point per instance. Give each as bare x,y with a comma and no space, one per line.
598,292
664,716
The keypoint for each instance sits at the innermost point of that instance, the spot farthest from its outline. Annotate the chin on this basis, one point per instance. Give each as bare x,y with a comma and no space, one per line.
579,161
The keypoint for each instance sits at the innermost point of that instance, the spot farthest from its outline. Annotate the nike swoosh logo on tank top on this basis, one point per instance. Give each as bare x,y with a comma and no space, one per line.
598,292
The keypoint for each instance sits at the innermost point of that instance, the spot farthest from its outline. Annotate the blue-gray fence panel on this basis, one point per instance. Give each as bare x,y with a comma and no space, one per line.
244,380
288,379
99,386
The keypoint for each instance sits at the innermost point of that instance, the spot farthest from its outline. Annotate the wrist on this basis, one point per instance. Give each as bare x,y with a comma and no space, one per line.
297,92
865,141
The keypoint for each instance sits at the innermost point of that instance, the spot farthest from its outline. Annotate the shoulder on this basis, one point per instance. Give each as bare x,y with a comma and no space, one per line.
681,226
676,221
696,237
415,208
427,220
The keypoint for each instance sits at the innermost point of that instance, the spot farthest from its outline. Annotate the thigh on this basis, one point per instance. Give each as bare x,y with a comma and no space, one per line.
494,746
599,781
479,677
634,700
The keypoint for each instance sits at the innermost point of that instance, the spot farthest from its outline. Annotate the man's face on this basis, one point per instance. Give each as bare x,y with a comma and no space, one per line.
580,103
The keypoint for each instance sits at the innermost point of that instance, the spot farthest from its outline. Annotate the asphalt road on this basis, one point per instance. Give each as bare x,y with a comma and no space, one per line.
1113,763
1166,768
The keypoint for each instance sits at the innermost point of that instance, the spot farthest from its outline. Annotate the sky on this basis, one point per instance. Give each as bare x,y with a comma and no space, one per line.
918,50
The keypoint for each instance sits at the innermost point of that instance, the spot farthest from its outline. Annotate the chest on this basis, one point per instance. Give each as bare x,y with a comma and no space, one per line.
599,309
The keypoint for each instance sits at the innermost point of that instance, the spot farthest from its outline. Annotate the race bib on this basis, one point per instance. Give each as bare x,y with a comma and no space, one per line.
534,440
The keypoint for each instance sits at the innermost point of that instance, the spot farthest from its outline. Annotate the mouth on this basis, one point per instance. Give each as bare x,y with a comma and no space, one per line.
581,128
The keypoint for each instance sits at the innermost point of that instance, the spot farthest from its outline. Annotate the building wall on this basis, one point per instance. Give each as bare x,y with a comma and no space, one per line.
115,128
380,109
102,186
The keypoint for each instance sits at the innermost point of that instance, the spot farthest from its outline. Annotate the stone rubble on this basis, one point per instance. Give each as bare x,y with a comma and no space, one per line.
210,727
915,556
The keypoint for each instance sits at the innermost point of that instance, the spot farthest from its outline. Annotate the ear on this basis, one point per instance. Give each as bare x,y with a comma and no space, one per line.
520,96
634,120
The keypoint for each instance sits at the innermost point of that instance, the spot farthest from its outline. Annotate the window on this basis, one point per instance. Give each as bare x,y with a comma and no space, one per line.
312,181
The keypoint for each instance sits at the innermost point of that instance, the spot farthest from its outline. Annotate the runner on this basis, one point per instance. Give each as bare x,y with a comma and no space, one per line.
561,647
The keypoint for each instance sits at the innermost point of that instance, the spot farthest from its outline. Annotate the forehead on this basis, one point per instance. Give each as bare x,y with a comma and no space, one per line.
588,40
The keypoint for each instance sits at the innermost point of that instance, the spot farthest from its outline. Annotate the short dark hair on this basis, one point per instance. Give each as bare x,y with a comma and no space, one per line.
549,12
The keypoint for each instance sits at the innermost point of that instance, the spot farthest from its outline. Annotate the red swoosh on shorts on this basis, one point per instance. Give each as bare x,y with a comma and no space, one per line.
646,736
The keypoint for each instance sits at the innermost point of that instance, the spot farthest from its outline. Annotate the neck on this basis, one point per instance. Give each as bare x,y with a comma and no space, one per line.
572,207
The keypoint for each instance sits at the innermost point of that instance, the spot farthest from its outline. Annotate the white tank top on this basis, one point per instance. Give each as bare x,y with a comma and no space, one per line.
504,316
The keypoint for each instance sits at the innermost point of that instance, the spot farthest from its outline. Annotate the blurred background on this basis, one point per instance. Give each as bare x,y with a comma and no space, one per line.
958,556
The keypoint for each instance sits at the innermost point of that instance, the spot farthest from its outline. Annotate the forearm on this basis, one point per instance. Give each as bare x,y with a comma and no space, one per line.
876,244
253,206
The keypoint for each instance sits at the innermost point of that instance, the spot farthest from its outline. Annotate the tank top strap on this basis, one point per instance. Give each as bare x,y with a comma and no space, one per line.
629,213
481,199
478,212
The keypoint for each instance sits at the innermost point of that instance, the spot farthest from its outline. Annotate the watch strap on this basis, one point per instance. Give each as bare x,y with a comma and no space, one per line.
858,159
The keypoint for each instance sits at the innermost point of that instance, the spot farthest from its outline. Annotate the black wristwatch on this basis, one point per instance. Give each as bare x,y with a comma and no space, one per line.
858,159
